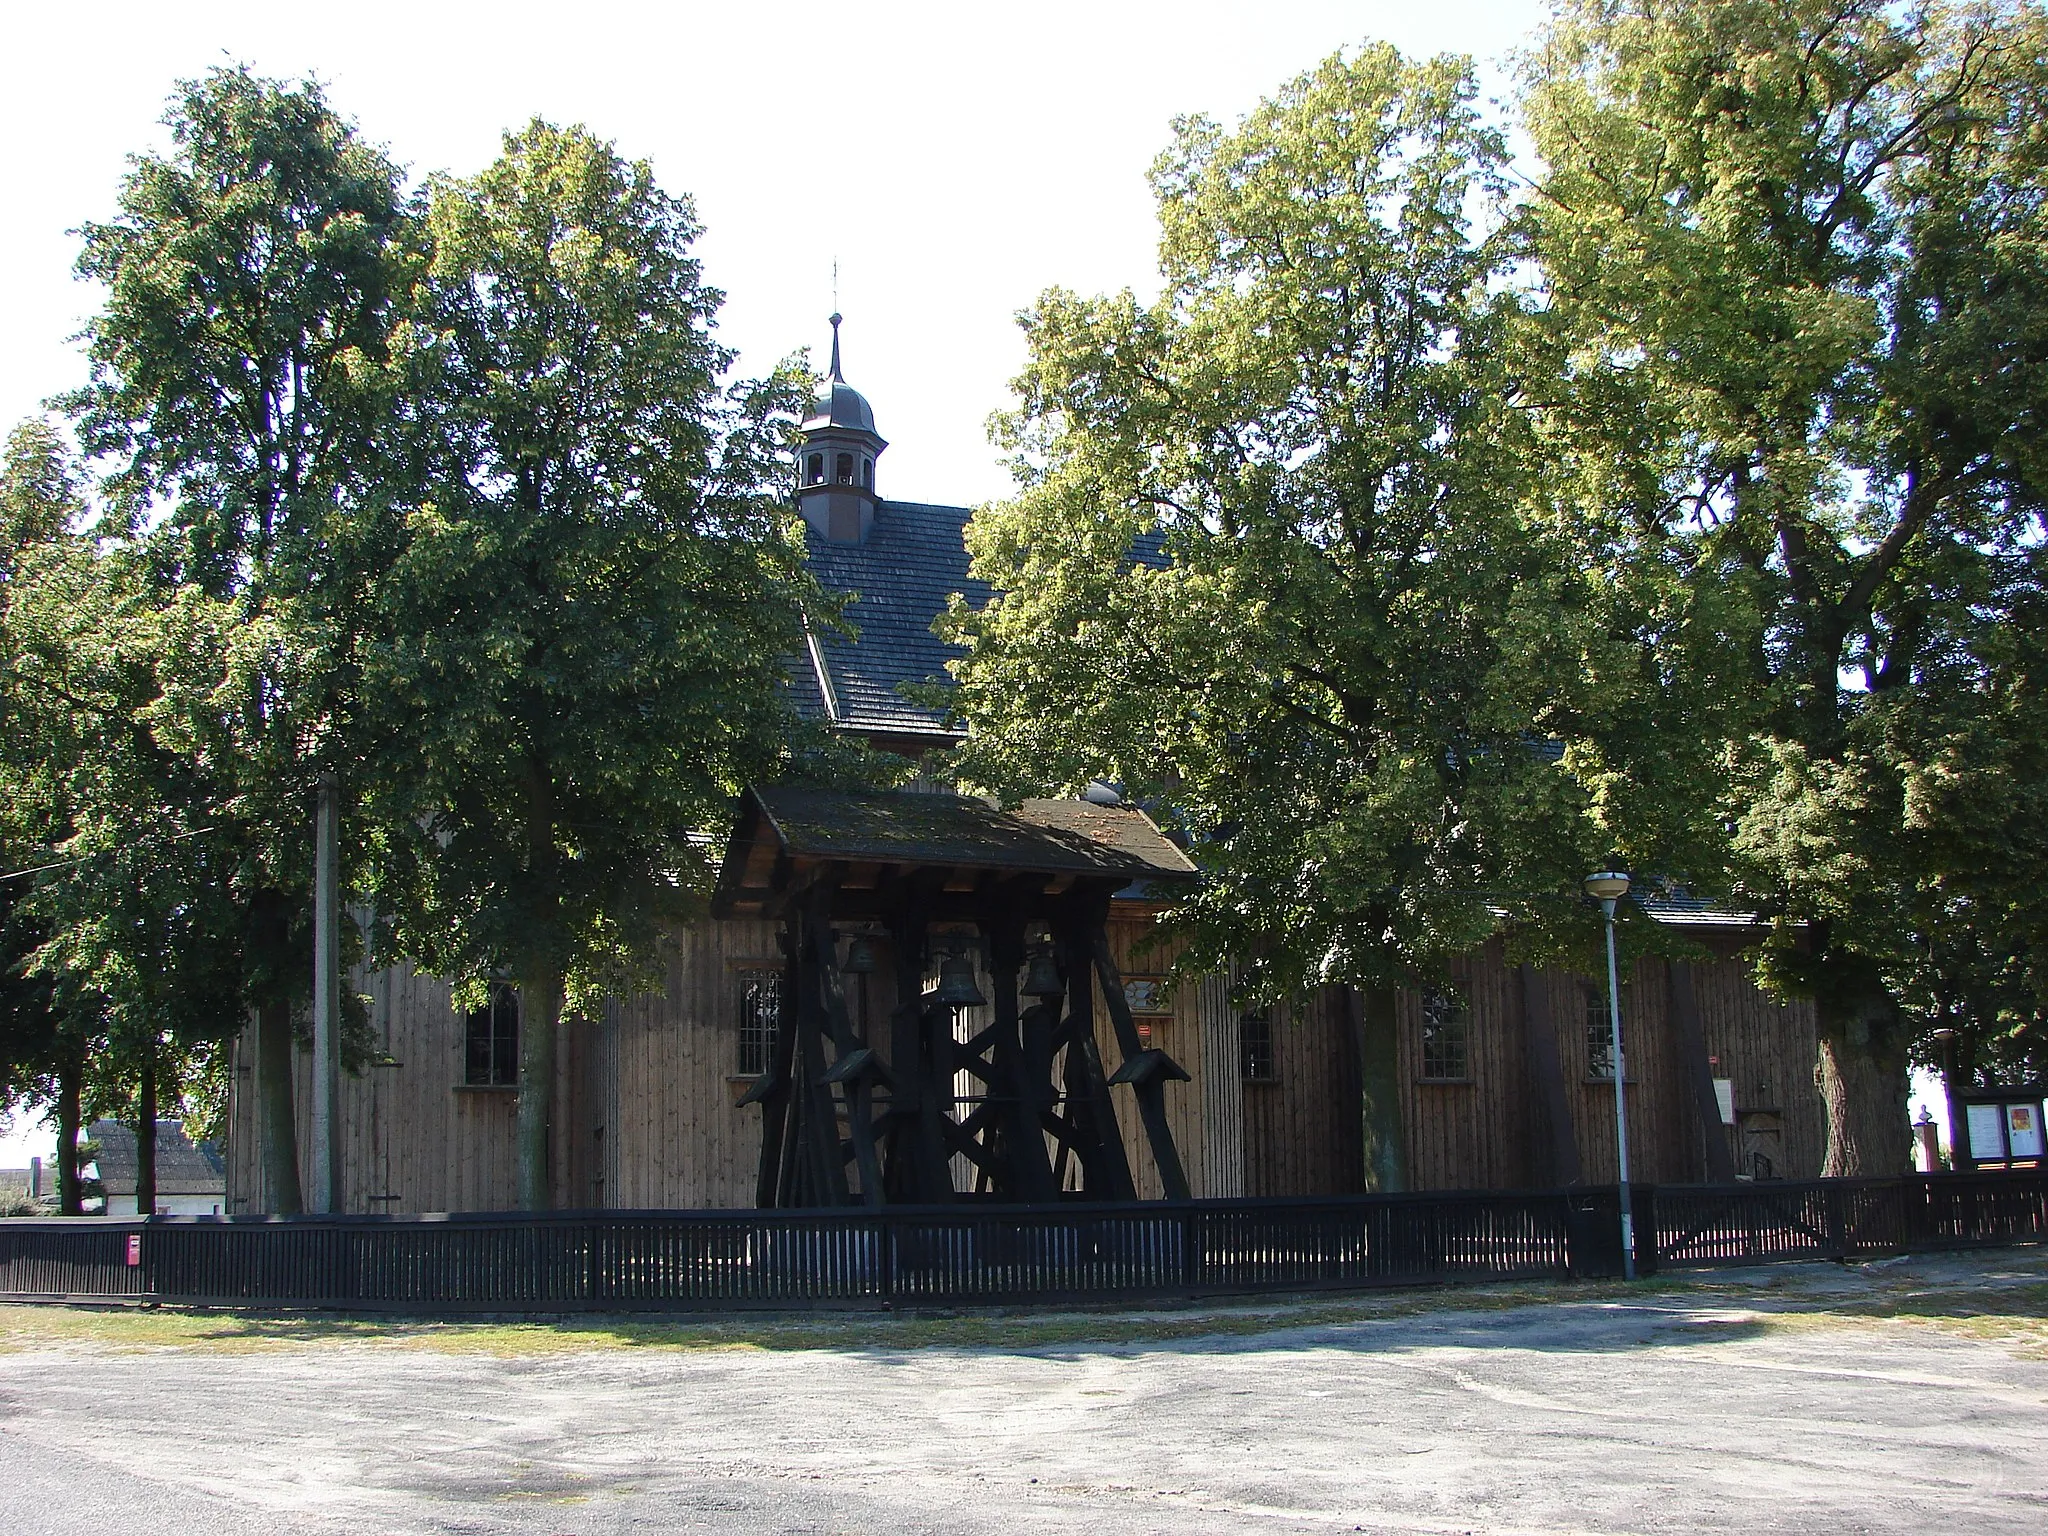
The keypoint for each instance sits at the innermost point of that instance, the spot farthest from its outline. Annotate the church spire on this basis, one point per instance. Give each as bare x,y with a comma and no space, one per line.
836,483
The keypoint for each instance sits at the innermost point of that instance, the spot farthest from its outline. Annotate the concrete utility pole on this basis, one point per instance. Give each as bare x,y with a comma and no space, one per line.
326,1191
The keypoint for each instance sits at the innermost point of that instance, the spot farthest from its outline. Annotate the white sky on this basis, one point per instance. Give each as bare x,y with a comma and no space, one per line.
956,158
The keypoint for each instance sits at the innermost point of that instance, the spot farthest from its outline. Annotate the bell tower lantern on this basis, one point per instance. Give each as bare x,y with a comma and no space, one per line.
836,469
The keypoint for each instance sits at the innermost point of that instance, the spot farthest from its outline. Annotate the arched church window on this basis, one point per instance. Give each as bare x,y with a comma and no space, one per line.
867,473
814,472
844,469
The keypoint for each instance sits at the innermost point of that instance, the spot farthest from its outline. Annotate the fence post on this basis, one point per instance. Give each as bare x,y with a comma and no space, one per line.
1649,1235
1837,1219
1913,1223
887,1253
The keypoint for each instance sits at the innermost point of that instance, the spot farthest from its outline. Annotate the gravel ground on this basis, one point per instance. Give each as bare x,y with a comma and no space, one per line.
1900,1397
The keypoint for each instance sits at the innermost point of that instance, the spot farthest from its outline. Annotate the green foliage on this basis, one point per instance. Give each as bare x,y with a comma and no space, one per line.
1795,254
1284,563
195,655
579,653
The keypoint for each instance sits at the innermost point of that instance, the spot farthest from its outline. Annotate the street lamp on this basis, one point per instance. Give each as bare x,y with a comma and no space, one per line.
1608,887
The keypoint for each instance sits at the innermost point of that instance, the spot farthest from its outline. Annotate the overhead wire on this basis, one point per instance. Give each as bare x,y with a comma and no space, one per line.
41,869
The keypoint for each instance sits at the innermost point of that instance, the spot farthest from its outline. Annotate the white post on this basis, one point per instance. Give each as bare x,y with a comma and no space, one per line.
326,1190
1628,1217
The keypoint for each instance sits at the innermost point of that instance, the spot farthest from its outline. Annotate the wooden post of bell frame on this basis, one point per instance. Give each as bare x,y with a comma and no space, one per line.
326,1189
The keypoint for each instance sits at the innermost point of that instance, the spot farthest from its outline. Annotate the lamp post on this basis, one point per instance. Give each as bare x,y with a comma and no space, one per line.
1607,887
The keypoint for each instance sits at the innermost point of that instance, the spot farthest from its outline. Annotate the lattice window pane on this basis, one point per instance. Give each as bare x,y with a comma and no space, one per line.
491,1042
1255,1047
760,1019
1600,1032
1446,1035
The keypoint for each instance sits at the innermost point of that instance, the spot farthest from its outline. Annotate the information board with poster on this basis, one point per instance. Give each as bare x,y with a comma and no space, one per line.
1987,1133
2023,1130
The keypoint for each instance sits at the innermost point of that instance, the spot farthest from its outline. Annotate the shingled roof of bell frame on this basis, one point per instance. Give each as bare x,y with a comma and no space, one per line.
1068,839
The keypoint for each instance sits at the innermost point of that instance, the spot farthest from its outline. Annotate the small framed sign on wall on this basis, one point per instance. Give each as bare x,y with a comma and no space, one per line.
1145,996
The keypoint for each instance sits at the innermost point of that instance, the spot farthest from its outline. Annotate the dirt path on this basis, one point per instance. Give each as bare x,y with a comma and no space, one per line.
1909,1397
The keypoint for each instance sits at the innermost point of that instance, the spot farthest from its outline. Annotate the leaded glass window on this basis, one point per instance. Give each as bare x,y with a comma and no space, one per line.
760,1019
1446,1036
491,1042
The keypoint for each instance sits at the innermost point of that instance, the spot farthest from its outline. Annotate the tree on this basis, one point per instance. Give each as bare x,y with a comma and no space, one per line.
240,390
43,1046
1795,255
121,946
1282,564
584,636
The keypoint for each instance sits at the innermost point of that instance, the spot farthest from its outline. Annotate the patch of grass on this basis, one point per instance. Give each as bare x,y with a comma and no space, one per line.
128,1329
2011,1314
2009,1306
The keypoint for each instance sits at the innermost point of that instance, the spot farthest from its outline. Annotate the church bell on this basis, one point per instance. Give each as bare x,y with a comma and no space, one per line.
860,957
1042,977
956,983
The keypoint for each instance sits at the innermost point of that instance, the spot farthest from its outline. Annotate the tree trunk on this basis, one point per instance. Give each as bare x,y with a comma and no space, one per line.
276,1123
1373,1026
145,1135
1862,1078
540,1011
70,1093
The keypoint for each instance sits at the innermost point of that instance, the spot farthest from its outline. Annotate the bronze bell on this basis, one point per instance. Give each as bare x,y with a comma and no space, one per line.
1042,977
860,957
956,983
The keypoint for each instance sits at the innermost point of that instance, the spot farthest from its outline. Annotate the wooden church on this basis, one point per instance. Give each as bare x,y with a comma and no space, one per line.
917,997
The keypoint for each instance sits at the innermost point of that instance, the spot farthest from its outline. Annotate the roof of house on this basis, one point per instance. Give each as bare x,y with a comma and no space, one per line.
900,577
1678,908
784,832
182,1168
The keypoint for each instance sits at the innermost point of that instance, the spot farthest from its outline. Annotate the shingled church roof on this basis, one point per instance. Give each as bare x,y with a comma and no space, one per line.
901,574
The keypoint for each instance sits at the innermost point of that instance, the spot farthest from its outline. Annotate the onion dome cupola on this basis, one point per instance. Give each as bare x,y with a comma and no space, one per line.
836,469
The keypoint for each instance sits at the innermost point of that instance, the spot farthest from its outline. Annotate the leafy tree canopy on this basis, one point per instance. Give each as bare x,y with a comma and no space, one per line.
1794,259
1285,565
580,653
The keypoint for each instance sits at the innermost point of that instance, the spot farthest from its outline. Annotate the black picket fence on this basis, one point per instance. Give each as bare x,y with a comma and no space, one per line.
985,1254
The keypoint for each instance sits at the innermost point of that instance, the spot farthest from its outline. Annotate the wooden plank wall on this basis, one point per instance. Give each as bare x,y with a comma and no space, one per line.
1301,1130
1134,944
413,1138
1661,1127
1484,1133
1475,1134
646,1115
1220,1175
680,1141
1768,1050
